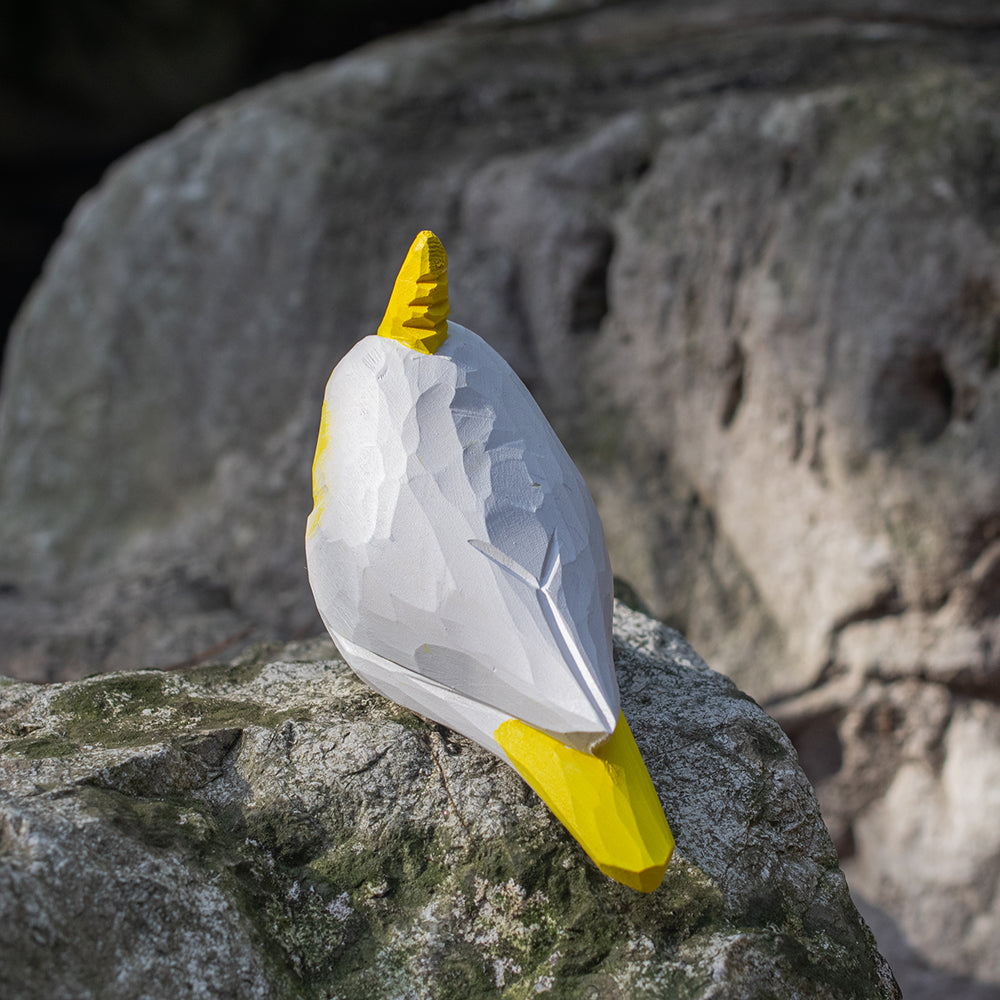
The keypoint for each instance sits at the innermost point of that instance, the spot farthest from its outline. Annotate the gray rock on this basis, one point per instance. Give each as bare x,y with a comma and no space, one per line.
273,828
702,253
911,802
918,979
745,256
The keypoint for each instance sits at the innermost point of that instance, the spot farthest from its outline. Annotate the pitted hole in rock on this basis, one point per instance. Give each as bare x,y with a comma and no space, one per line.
914,396
589,303
817,742
735,375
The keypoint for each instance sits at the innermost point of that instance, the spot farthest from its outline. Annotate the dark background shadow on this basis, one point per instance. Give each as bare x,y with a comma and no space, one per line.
84,81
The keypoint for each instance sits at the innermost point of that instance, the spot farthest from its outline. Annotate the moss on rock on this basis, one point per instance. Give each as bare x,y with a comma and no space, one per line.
355,850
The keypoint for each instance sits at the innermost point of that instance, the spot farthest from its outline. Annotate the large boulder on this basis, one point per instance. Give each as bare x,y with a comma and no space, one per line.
749,274
745,255
275,829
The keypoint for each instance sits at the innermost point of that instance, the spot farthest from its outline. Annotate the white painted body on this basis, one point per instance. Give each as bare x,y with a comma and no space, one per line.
458,560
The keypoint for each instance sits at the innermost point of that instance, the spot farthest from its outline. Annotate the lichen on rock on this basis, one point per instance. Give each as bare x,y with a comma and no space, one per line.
273,828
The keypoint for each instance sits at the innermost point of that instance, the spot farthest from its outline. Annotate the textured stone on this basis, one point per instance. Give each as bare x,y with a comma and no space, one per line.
274,828
697,287
745,258
912,802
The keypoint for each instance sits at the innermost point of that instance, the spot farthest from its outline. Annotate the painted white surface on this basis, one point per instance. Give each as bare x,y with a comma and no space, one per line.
459,561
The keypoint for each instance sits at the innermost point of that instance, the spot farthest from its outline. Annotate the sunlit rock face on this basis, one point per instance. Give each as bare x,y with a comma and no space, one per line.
750,276
275,828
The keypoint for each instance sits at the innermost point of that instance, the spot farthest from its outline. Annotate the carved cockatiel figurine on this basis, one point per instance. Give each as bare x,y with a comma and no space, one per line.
459,564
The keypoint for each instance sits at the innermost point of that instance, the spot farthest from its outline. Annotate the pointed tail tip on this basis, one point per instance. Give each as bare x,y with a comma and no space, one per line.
417,313
643,880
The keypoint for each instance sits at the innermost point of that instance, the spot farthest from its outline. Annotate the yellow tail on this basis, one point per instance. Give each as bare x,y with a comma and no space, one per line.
605,799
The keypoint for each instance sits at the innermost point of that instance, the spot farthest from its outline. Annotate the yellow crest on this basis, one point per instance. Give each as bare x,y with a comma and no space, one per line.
417,313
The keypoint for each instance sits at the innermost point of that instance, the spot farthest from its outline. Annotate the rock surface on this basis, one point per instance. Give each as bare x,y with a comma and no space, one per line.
748,259
274,829
751,275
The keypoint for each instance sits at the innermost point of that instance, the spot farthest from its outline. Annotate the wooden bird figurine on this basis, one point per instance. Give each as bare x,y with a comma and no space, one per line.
459,564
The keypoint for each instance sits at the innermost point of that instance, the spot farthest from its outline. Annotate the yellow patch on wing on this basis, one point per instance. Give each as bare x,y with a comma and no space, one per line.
319,485
605,799
312,522
322,443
